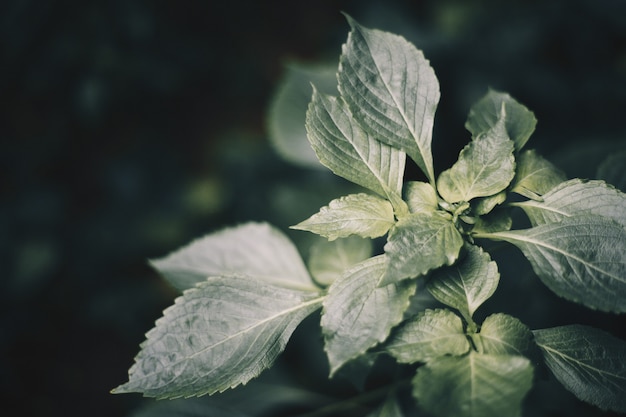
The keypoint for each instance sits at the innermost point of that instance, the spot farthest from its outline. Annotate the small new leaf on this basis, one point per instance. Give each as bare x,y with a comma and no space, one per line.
360,214
485,114
468,283
588,362
217,335
329,260
581,258
485,167
430,334
358,313
254,249
473,385
501,334
419,243
392,91
421,197
535,175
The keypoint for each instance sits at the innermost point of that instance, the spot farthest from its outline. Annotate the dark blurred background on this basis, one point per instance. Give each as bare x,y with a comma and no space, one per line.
130,127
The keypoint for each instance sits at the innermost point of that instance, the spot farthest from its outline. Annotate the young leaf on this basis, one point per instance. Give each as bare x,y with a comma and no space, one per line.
485,167
419,243
473,385
392,91
358,313
255,249
485,114
219,334
468,283
581,258
421,197
329,260
430,334
360,214
588,362
575,197
495,221
501,334
484,205
287,111
352,153
535,175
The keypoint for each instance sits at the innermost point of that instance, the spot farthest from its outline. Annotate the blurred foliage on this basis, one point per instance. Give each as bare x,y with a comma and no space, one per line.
130,127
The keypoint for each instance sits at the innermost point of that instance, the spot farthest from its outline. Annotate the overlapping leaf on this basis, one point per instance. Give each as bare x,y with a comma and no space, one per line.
587,361
217,335
358,313
535,175
392,90
421,197
255,249
328,260
501,334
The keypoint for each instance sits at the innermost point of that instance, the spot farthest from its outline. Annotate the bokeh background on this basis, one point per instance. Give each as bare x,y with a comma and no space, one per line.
130,127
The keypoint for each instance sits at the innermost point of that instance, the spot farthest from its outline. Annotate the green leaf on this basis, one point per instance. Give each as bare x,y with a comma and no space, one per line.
485,167
613,170
255,249
495,221
358,313
484,115
389,408
576,197
501,334
219,334
468,283
535,175
329,260
484,205
419,243
350,152
392,91
588,362
581,258
430,334
287,111
421,197
474,385
360,214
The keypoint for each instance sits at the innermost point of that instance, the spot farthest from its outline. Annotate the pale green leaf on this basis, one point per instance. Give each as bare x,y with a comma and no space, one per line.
535,175
287,111
329,260
576,197
392,90
485,167
219,334
468,283
588,362
255,249
501,334
352,153
358,313
520,122
360,214
613,170
421,242
581,258
495,221
430,334
474,385
421,197
484,205
389,408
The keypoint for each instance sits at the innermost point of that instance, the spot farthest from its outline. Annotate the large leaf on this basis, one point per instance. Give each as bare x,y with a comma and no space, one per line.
360,214
329,260
217,335
287,111
392,91
588,362
350,151
358,313
255,249
581,258
421,242
484,115
468,283
577,197
535,175
430,334
501,334
474,385
485,167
